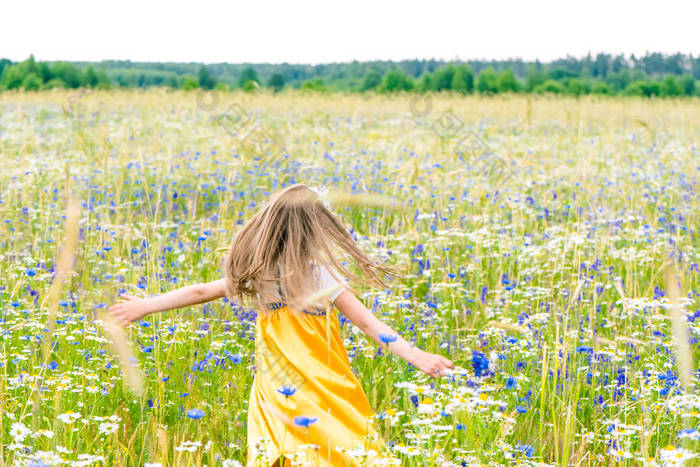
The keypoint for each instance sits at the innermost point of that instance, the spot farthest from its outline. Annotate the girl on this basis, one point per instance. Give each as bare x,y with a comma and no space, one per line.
305,397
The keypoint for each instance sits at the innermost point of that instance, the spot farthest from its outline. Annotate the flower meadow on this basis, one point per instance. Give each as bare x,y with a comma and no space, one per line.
545,243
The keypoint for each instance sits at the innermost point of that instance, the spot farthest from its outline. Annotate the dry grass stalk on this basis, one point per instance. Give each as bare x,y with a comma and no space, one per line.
679,328
122,350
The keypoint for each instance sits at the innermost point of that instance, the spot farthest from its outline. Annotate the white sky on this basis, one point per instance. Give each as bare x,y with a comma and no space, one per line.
306,31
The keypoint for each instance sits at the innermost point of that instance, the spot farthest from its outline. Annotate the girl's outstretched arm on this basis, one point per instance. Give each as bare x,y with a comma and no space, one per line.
429,363
135,308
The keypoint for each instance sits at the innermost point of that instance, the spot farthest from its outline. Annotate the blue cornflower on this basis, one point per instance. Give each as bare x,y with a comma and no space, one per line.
387,338
480,363
521,409
511,383
305,421
31,272
195,413
461,426
528,450
287,391
484,292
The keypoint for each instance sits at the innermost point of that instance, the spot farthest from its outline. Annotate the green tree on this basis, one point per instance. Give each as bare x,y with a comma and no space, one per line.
426,83
91,78
250,85
54,83
103,81
190,83
487,81
276,82
442,78
462,79
205,79
4,62
601,87
559,74
670,87
687,84
652,88
535,78
315,85
636,88
507,81
549,87
643,88
31,82
370,80
620,80
30,66
247,75
575,87
69,74
45,72
395,80
12,77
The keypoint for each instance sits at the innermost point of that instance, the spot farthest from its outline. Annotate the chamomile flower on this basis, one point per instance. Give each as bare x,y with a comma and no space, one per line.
18,431
69,417
190,446
108,427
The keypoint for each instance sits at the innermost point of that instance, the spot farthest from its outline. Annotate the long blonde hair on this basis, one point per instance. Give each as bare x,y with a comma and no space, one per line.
294,230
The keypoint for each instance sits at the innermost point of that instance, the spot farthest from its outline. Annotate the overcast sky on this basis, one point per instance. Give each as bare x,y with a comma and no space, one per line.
328,31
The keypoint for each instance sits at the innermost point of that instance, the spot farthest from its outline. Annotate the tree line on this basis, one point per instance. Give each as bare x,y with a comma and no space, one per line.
653,74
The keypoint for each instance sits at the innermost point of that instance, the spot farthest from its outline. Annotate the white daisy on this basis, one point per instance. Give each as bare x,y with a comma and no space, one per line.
46,433
190,446
107,427
18,432
69,417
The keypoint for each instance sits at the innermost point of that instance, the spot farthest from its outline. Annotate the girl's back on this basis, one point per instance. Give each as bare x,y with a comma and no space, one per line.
305,404
304,392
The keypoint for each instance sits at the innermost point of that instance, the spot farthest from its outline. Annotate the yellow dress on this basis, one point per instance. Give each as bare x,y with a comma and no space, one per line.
303,370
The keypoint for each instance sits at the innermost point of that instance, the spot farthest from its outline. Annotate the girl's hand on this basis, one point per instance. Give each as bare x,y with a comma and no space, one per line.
133,309
431,364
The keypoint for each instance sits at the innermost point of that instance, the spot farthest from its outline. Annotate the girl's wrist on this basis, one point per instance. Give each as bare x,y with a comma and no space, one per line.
413,354
148,307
